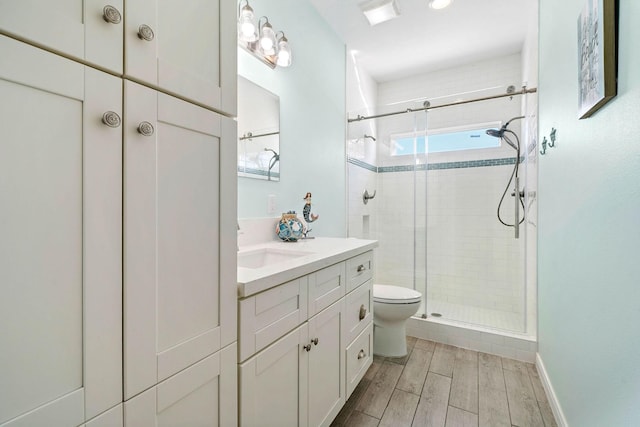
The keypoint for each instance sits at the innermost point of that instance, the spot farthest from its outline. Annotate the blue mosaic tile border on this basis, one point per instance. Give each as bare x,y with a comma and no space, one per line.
437,166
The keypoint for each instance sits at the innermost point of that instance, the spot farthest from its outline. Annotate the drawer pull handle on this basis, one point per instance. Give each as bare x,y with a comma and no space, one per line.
307,347
111,119
361,268
111,15
145,129
363,312
314,341
145,33
361,354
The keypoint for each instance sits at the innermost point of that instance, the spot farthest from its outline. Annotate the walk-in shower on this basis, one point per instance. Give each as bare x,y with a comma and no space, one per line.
439,170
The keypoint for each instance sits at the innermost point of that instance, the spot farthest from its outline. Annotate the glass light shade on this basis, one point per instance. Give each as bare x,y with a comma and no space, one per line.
284,53
439,4
246,26
267,39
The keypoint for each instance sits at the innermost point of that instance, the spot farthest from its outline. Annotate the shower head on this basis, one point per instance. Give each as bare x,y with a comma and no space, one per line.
496,133
369,136
499,133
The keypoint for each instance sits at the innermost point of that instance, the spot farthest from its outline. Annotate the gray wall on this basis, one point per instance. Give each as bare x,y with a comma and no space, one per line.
589,228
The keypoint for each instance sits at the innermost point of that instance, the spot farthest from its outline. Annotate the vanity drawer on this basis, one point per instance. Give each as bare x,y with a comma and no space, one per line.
359,310
359,270
326,286
359,358
270,314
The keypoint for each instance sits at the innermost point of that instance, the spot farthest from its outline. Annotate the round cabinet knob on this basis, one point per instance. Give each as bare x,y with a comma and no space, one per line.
111,14
111,119
363,312
361,268
145,32
307,347
145,128
315,341
361,354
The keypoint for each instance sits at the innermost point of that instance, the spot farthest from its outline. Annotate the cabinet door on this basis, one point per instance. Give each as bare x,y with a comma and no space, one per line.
114,417
326,366
60,239
201,395
186,48
176,311
273,383
75,28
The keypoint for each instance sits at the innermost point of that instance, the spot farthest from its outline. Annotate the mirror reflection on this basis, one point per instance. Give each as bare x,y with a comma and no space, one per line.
258,132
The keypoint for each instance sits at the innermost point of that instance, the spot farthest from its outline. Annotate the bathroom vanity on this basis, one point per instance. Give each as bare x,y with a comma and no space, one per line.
305,329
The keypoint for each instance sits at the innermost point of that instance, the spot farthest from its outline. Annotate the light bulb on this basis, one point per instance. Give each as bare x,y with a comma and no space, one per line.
439,4
284,53
247,29
267,39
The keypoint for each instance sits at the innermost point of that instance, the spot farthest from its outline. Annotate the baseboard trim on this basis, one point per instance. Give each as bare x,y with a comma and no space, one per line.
551,394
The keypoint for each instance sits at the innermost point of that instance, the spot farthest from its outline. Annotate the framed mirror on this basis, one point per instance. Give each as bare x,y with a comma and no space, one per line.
258,132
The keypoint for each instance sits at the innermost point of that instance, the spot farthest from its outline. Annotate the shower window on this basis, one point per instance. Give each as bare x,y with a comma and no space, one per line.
449,139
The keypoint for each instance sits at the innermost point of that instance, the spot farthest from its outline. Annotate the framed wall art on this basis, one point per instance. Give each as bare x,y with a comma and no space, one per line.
597,57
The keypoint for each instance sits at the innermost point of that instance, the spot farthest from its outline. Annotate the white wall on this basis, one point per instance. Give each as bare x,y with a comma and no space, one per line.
312,124
589,228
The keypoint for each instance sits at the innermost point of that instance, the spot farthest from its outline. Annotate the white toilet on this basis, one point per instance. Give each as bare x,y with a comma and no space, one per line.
392,307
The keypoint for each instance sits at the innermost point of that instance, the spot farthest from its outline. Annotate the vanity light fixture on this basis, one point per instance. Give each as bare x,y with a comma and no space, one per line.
378,11
261,40
439,4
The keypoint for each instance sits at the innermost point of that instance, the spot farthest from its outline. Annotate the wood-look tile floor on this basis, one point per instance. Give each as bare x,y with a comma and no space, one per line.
438,385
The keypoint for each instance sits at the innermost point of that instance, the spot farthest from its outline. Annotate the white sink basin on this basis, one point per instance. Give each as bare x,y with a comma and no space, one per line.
263,257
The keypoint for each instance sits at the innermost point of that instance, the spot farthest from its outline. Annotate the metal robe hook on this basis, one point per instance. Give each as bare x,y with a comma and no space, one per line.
366,196
552,135
544,146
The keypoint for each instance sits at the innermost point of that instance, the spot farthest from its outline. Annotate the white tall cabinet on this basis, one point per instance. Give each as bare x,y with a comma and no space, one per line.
60,244
117,213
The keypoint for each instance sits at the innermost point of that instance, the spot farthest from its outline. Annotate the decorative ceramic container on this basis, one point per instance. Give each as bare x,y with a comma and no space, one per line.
289,228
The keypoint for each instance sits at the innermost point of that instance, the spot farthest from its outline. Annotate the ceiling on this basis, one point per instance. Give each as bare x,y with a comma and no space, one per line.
422,39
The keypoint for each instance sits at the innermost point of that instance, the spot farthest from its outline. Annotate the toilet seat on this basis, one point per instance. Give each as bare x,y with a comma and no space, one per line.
388,294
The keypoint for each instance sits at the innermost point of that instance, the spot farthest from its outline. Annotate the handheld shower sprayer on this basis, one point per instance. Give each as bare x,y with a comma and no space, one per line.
500,133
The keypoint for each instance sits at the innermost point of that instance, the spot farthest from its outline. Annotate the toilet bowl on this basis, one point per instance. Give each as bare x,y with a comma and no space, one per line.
392,307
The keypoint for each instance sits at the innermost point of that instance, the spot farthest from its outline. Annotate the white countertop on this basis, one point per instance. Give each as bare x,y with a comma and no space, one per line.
323,252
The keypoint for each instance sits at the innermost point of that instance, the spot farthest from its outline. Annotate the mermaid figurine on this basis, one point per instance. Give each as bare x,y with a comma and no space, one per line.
306,211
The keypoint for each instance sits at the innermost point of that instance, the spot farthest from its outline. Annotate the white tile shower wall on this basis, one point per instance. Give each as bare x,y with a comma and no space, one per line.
362,218
472,258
